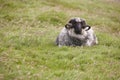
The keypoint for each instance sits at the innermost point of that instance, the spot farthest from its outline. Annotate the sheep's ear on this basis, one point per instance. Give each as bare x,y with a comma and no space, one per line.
68,26
87,27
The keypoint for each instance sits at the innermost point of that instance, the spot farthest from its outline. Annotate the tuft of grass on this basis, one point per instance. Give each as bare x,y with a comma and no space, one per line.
53,17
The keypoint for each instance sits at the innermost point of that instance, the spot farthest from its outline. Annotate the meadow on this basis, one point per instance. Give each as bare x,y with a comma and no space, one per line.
28,29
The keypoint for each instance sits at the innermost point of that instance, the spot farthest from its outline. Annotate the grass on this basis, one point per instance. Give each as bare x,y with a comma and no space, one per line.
28,29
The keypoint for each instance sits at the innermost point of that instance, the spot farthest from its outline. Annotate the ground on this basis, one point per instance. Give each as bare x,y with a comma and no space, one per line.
28,29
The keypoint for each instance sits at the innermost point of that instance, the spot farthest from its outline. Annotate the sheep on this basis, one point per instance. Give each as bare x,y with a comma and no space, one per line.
76,33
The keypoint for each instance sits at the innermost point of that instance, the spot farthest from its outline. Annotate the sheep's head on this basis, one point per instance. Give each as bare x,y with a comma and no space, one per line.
77,24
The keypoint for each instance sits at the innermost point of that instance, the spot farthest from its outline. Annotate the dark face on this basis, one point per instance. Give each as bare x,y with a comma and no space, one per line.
78,24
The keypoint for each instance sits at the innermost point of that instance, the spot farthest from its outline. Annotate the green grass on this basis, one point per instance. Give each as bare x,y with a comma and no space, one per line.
28,29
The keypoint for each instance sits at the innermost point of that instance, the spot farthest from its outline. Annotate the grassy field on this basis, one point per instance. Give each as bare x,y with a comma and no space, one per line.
28,29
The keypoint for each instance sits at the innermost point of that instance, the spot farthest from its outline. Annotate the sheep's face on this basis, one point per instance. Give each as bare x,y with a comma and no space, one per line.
77,24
